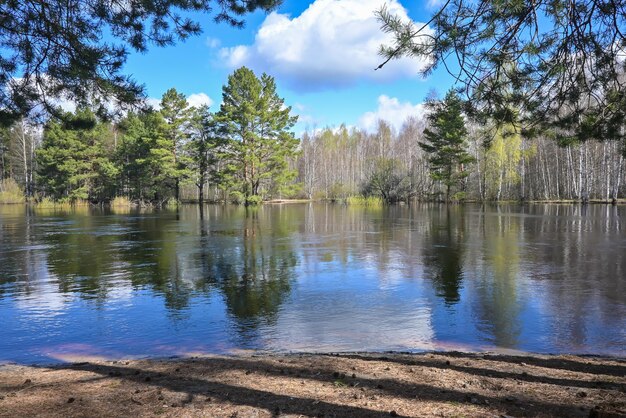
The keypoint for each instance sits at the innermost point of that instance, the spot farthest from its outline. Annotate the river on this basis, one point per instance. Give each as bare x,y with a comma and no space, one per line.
100,284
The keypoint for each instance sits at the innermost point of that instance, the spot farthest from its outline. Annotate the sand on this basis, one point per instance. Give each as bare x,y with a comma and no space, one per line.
321,385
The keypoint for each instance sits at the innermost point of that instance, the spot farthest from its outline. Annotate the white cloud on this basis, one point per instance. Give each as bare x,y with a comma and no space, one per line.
65,104
391,110
304,118
194,100
333,43
212,42
199,99
154,103
434,4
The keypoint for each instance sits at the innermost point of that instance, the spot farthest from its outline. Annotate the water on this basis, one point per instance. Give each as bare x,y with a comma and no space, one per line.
89,284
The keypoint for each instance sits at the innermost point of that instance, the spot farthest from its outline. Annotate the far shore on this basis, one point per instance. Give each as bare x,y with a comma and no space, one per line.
65,205
322,385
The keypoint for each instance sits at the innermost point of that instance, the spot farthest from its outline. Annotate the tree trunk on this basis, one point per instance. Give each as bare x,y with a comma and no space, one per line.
201,189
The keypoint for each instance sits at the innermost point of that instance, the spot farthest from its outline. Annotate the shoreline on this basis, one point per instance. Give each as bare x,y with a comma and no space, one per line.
352,384
66,205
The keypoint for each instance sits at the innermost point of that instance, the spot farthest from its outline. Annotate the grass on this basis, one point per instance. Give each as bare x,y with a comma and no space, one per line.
46,206
364,201
121,205
11,192
47,202
121,202
171,203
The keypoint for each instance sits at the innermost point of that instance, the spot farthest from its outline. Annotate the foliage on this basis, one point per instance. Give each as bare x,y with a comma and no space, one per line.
10,192
562,59
76,49
338,191
364,201
17,153
446,143
176,113
48,203
73,160
387,182
121,202
148,166
502,159
256,125
204,147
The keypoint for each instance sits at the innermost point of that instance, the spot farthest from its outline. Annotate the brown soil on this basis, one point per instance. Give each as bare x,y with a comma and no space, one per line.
345,385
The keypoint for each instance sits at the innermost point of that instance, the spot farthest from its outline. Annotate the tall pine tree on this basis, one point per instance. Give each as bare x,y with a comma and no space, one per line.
446,144
204,147
149,167
256,124
176,113
73,160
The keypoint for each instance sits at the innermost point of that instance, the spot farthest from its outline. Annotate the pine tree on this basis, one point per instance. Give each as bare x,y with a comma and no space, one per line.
73,160
77,49
149,167
204,147
176,113
256,124
563,60
446,144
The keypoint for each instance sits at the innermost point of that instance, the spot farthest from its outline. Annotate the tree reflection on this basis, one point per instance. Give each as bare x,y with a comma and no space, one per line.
496,289
252,268
554,270
443,252
18,259
246,254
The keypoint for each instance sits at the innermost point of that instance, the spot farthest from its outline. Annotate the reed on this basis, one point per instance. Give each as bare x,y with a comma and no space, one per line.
364,201
121,202
11,192
47,202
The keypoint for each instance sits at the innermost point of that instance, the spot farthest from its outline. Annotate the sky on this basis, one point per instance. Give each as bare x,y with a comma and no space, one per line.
322,54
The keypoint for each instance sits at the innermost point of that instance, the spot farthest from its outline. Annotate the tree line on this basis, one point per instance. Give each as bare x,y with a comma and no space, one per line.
246,152
447,156
243,149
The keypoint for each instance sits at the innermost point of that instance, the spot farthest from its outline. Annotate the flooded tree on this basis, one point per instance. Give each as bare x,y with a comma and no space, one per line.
257,125
446,144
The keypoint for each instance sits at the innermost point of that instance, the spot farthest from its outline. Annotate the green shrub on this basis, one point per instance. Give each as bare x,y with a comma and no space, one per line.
121,202
11,192
364,201
47,202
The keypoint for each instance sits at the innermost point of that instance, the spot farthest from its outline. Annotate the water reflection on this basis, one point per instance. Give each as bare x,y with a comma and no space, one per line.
497,277
443,251
252,264
543,278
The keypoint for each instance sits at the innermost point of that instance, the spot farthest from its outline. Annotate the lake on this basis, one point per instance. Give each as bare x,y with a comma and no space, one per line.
99,284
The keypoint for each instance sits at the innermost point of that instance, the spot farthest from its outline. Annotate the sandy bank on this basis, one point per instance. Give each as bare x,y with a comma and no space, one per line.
346,385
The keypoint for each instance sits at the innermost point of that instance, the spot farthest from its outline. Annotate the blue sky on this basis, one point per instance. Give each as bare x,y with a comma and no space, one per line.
322,54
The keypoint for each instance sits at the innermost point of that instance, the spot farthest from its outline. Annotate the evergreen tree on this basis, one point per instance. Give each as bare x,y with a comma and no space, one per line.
204,147
149,168
77,49
73,160
562,59
446,144
256,124
176,113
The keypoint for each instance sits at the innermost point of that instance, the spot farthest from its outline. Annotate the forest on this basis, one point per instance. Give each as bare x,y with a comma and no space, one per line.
247,152
536,112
